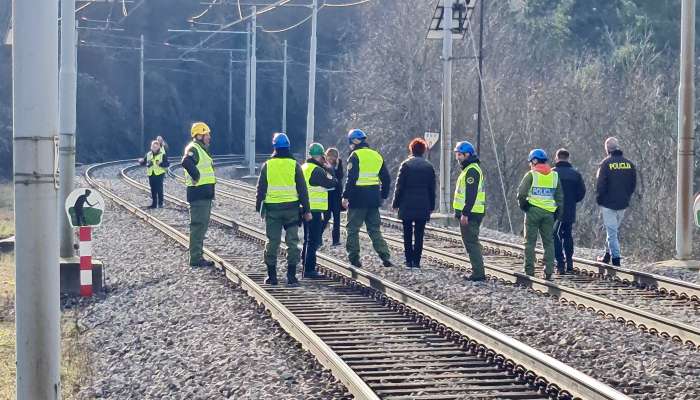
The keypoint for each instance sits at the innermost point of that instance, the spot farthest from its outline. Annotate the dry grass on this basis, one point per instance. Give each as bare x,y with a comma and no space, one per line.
74,361
7,225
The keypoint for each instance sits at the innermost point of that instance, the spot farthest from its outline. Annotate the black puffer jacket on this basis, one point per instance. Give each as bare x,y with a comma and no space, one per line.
616,181
574,189
414,194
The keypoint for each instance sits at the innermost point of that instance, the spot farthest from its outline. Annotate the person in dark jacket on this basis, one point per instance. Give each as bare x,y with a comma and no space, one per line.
469,203
414,197
335,205
283,201
319,180
367,186
574,191
201,181
615,184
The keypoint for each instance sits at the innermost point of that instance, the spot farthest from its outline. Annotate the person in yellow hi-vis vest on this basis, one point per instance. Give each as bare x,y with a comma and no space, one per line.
541,197
368,185
156,162
200,180
319,180
283,201
469,203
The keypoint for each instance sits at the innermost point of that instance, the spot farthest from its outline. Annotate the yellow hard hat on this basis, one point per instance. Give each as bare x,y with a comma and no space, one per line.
200,128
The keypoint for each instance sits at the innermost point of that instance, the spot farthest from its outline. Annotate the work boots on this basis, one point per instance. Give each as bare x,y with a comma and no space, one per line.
616,261
604,259
292,276
271,275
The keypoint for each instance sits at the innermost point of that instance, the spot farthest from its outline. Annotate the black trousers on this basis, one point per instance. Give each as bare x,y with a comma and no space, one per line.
413,249
156,183
313,234
564,245
333,212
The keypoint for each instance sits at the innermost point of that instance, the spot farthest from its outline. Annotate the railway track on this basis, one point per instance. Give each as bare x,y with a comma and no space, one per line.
380,339
655,304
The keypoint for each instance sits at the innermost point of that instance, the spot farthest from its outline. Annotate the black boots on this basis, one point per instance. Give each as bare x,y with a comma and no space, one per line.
616,261
604,259
387,263
292,275
271,275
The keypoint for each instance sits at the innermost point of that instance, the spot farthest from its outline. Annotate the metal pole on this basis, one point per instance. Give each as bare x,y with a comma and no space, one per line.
686,123
284,90
230,101
141,114
35,130
247,97
68,78
481,75
310,112
253,81
446,124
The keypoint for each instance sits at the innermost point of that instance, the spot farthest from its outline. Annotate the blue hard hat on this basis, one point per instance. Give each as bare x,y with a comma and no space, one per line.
464,147
356,134
538,154
280,141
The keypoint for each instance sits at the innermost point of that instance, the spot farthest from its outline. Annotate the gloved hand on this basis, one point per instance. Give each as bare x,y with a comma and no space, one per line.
524,205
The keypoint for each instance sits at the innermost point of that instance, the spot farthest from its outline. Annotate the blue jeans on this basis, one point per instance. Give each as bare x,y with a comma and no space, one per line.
612,220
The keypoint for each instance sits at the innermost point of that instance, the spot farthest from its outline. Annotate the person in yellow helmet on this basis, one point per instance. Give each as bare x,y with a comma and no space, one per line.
200,180
155,162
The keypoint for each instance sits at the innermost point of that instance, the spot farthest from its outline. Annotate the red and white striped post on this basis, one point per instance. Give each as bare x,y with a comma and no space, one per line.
85,261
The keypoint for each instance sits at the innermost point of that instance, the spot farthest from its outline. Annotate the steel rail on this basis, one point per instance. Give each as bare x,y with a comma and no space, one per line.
544,371
287,320
642,319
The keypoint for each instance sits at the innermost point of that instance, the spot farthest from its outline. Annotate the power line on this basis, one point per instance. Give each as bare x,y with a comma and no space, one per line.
203,13
493,137
357,3
287,28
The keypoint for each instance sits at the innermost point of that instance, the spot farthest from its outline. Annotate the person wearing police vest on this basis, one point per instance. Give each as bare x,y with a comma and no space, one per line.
319,180
282,200
367,186
469,203
155,162
541,197
616,181
200,181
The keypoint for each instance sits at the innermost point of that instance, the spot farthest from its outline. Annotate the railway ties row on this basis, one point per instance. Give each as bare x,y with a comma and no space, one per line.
398,343
658,311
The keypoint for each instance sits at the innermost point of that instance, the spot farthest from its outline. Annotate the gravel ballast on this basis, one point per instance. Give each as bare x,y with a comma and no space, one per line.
164,330
644,366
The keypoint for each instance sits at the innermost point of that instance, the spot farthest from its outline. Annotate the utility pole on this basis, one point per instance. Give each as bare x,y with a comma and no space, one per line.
481,74
141,114
35,132
686,125
310,112
284,90
230,101
68,78
246,148
253,84
446,124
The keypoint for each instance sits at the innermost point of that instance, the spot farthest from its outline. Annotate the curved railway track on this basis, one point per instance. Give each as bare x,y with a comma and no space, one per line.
380,339
655,304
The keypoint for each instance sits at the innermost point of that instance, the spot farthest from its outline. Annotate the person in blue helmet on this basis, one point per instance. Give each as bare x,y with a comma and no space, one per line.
368,185
469,203
282,197
541,197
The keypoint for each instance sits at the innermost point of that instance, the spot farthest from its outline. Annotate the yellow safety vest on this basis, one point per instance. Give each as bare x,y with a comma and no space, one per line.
542,190
318,196
155,168
459,201
370,164
205,166
281,185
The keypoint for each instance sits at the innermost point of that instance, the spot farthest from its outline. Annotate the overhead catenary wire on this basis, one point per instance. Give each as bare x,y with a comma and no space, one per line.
493,137
357,3
203,13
